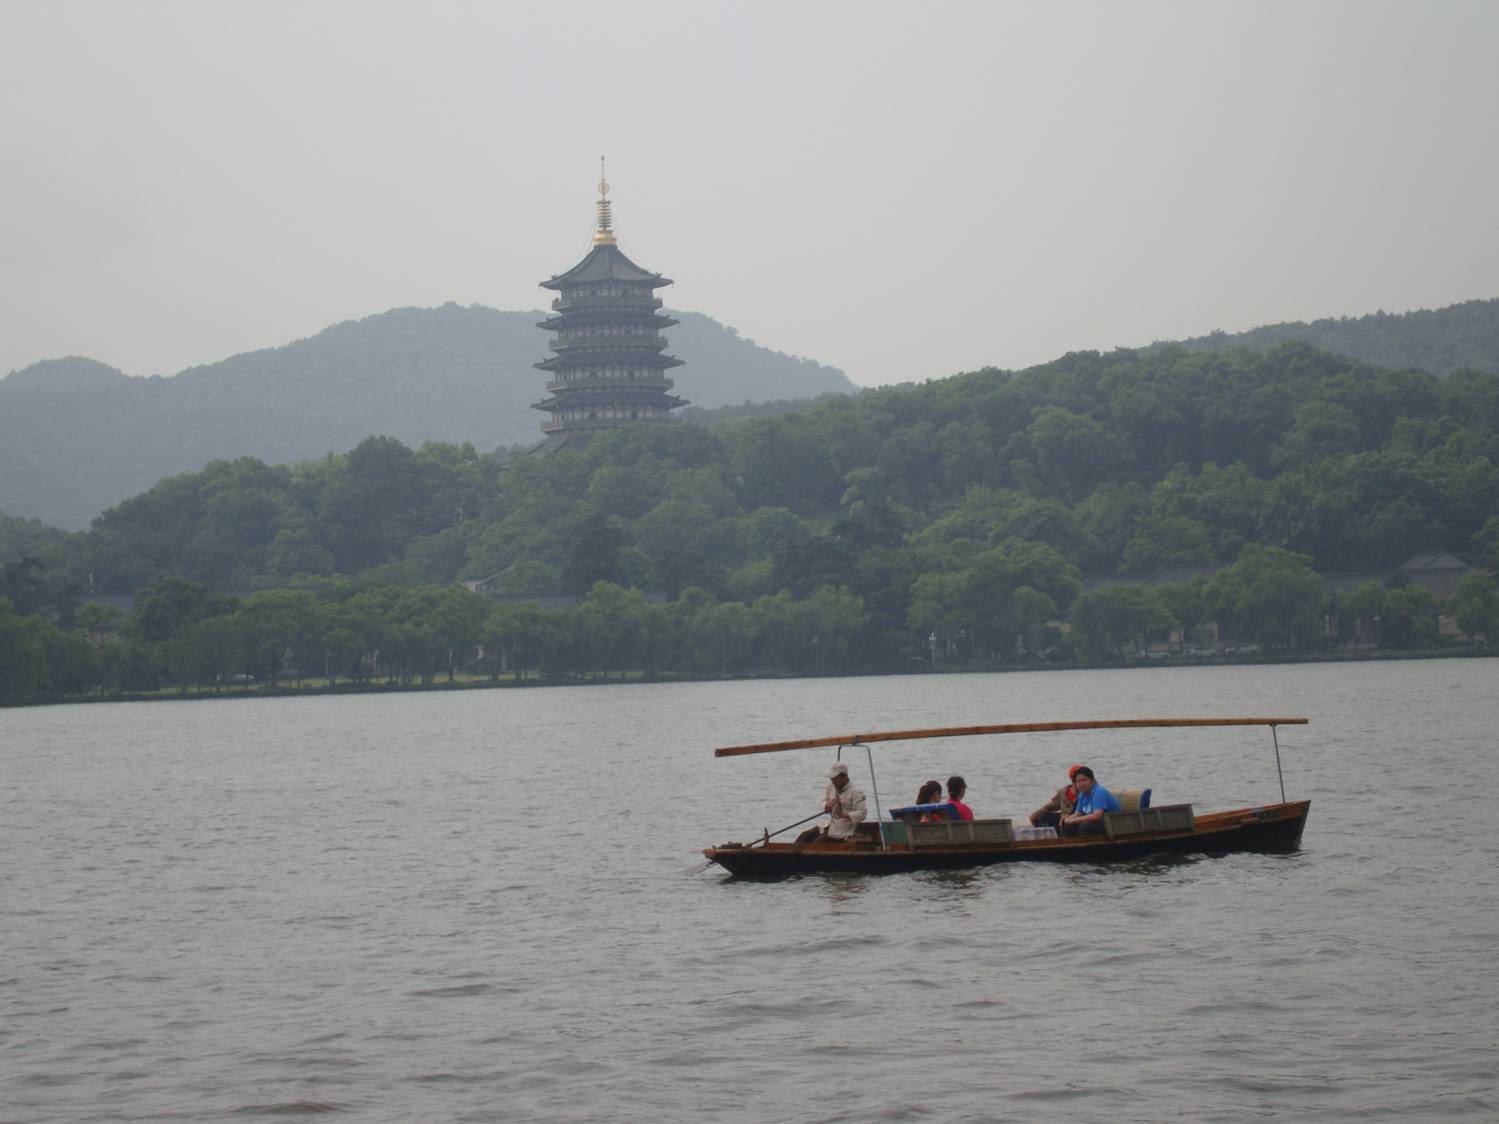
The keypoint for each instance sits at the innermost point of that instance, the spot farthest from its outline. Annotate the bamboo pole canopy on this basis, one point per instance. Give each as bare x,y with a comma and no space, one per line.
1006,728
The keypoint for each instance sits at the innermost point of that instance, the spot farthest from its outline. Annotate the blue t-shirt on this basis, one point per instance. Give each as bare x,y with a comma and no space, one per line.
1096,799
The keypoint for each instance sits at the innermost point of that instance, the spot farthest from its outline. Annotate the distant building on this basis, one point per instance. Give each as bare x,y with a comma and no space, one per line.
608,366
1436,572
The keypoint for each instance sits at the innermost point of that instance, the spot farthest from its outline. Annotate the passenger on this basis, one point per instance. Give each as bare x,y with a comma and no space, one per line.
845,807
929,793
1093,800
1061,803
956,788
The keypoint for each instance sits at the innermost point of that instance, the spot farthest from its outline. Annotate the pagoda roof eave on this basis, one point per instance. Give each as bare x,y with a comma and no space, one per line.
605,263
637,392
643,318
584,359
550,405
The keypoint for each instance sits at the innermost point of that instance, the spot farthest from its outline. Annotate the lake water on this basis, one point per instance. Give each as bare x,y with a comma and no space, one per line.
482,906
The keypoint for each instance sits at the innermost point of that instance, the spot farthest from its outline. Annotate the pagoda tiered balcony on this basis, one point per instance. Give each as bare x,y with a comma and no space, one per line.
580,301
612,384
636,393
619,356
598,405
617,340
633,318
594,425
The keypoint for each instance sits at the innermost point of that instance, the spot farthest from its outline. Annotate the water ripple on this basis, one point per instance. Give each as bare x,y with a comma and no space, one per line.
364,906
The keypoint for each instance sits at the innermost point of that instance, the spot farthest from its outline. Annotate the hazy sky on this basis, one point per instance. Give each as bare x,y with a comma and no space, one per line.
902,190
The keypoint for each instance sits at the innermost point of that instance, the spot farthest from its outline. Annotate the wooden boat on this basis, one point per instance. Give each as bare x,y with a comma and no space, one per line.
890,846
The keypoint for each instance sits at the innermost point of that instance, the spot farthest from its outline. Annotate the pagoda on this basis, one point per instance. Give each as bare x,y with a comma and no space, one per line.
607,368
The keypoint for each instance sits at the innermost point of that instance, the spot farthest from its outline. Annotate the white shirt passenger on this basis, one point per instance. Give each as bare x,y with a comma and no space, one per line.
854,810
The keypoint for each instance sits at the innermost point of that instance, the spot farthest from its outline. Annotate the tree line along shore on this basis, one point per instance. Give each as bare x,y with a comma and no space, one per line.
1088,511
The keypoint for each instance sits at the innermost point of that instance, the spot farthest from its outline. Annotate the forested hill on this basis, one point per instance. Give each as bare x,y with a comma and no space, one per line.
1119,462
1439,340
867,530
77,436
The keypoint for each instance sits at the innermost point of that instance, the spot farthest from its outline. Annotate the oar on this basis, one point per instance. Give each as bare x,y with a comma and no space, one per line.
767,836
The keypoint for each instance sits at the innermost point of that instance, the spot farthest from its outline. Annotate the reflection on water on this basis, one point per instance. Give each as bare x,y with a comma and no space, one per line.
840,889
379,907
1161,864
958,883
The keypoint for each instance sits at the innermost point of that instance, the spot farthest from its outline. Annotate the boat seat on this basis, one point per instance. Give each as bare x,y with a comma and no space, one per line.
1134,799
1168,817
912,812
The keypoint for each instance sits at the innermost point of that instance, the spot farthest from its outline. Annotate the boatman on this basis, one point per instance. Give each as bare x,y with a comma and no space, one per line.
845,807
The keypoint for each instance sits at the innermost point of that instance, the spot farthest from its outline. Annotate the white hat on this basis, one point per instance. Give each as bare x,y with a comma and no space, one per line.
837,769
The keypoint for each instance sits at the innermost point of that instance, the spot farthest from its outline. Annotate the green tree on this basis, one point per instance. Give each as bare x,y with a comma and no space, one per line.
770,530
1033,609
1320,429
615,619
1183,602
1363,605
692,612
126,664
524,631
170,604
454,617
1409,619
209,651
1160,539
24,583
1486,543
627,490
1271,596
23,660
688,545
97,620
528,577
1475,606
273,623
72,662
596,556
1072,452
1106,617
836,618
734,634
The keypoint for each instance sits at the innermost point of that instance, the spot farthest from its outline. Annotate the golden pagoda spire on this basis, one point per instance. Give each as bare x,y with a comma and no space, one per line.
604,235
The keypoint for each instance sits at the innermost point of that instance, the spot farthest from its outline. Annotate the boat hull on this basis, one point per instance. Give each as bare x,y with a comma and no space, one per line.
1268,828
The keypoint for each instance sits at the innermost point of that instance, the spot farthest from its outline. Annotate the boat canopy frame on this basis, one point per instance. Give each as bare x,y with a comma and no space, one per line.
861,741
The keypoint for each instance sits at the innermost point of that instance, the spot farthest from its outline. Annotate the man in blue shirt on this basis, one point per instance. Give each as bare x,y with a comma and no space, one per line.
1093,800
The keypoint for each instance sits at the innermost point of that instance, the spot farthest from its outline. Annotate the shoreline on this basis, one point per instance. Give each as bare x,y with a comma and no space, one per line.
636,678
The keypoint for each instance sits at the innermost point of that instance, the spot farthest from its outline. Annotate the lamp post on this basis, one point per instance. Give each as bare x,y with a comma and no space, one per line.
932,640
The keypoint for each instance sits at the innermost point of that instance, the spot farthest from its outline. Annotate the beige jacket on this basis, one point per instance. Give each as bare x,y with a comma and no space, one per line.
1058,803
853,809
